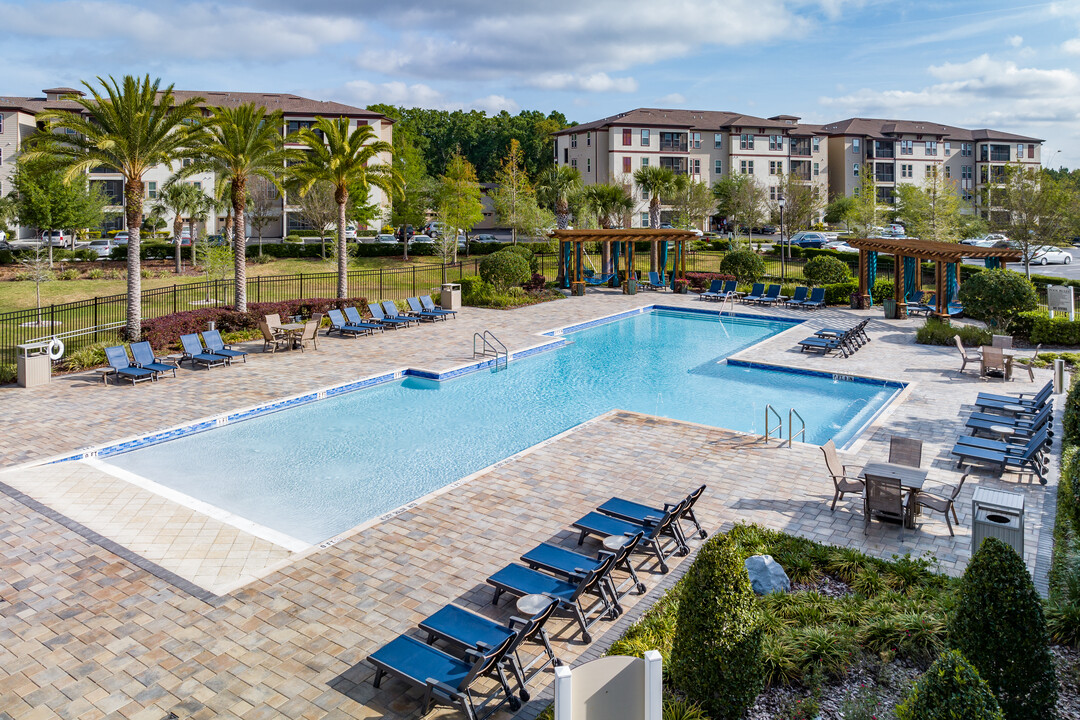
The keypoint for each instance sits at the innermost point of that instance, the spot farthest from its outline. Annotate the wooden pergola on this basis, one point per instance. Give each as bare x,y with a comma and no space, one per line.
941,253
617,244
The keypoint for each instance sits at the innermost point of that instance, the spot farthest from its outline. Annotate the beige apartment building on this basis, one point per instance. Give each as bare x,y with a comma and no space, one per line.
18,121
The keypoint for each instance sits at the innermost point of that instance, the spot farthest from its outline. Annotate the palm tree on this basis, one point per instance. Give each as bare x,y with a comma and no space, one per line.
556,187
345,159
129,129
659,182
609,202
180,199
240,143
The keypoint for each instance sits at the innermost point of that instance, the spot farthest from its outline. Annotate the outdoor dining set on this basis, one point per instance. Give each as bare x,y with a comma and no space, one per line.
997,359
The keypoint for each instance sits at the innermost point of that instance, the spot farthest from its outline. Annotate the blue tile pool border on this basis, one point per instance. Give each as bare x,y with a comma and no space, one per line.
670,308
863,379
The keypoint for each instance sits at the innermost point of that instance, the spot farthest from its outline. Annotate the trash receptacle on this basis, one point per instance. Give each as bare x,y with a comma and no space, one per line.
450,296
33,365
1000,514
890,308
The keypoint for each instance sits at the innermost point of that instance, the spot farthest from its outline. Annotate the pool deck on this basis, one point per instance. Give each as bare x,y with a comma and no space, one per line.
118,602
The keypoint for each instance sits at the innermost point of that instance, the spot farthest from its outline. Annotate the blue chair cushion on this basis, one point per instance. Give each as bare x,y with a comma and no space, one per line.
465,627
418,661
524,581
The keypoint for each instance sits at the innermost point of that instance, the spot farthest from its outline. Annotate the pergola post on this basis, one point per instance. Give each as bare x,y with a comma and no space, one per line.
898,287
864,281
939,288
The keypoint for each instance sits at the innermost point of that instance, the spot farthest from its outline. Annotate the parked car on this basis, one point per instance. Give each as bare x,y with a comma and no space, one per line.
121,238
56,238
433,229
404,232
350,232
808,239
102,246
840,245
385,239
1046,254
420,240
485,238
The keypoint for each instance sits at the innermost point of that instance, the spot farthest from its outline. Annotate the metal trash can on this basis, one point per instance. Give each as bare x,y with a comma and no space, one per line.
890,308
33,365
999,514
450,296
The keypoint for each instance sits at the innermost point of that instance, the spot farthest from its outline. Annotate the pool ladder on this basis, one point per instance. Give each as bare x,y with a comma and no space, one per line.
770,412
490,345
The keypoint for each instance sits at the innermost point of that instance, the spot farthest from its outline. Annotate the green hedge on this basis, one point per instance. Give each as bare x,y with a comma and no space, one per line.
1039,328
937,332
147,251
840,293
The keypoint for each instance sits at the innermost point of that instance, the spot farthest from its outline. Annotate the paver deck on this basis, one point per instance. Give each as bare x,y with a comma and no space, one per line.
87,633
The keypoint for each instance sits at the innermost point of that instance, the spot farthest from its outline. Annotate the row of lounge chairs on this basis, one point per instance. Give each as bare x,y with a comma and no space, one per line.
1024,420
145,365
385,316
655,281
922,303
472,646
846,340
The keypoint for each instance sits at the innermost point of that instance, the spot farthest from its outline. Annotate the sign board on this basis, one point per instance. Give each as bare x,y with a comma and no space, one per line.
611,688
1059,298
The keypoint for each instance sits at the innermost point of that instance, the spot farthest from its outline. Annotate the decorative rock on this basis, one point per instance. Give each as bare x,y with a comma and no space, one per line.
766,575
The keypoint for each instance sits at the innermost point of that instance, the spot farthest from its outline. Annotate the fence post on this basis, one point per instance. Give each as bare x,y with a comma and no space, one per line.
414,281
301,293
174,289
380,285
96,323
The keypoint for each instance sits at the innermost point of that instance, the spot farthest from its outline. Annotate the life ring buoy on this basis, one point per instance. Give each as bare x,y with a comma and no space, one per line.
56,349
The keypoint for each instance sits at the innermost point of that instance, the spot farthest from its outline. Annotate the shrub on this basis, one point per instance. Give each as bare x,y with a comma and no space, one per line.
840,293
936,332
716,655
69,274
85,357
825,270
8,373
292,238
95,274
999,626
996,296
743,265
261,259
678,709
503,269
700,281
528,255
721,245
950,688
147,251
1071,417
883,289
537,283
1038,327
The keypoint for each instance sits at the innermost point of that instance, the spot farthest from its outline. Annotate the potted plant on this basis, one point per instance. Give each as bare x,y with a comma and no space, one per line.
681,286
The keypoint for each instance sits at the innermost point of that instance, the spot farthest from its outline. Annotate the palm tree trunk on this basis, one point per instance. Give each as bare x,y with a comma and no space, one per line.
239,197
133,191
654,221
177,230
342,266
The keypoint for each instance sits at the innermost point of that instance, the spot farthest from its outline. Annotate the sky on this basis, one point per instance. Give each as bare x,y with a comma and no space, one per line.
1012,67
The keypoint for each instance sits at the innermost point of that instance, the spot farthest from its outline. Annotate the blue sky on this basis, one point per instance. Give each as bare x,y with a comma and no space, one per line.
975,64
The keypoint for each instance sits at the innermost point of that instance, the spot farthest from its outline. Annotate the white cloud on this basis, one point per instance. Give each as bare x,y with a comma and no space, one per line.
672,99
363,92
1072,47
494,104
1015,41
597,82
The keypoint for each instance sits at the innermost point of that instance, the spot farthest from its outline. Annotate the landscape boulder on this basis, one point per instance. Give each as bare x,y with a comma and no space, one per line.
766,575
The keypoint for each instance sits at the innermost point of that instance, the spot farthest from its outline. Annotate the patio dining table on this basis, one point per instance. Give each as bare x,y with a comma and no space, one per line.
911,480
290,330
1008,354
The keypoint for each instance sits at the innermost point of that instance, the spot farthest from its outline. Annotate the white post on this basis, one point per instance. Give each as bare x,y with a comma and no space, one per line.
563,695
1059,376
654,685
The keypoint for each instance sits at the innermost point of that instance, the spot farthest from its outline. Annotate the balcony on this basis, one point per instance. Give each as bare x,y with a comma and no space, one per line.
673,142
800,147
884,173
677,165
883,149
800,170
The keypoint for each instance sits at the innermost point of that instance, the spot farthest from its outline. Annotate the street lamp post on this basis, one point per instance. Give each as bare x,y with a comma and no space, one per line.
783,244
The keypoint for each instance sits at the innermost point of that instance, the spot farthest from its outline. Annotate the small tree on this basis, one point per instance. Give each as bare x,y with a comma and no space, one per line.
998,625
215,260
997,296
932,211
504,269
38,267
744,265
741,198
319,208
460,206
264,205
826,270
45,201
1033,206
180,199
951,688
693,202
716,654
863,213
514,198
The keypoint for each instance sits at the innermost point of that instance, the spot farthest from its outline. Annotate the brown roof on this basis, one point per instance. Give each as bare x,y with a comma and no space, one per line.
62,91
683,119
887,129
931,250
634,235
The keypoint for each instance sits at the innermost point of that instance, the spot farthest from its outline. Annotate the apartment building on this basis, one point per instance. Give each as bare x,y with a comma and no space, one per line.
705,145
18,120
905,151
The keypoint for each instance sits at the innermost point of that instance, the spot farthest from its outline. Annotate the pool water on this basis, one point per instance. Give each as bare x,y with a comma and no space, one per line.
316,470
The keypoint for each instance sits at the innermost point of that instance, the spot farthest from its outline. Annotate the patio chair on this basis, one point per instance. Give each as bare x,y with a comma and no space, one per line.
274,320
943,502
569,564
466,630
771,297
345,327
117,358
1014,444
885,499
715,291
417,310
730,287
271,339
817,299
844,343
965,356
444,677
520,580
925,307
356,321
428,304
993,363
378,316
1036,400
216,345
1031,459
392,312
798,298
755,293
1001,341
954,310
144,357
194,353
310,333
905,451
656,281
637,512
845,480
1030,365
654,530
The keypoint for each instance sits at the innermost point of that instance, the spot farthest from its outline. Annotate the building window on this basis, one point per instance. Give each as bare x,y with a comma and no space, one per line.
931,147
695,167
1019,151
746,141
1031,149
588,139
905,170
644,138
573,141
747,167
856,146
113,190
2,123
565,155
626,165
186,162
776,142
948,149
816,169
776,167
948,171
695,140
772,194
816,142
197,184
718,140
718,168
644,219
644,162
573,162
931,170
588,165
645,194
965,149
855,169
151,190
627,137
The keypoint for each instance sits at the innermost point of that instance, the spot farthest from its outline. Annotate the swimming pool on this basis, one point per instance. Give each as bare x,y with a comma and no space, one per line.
319,469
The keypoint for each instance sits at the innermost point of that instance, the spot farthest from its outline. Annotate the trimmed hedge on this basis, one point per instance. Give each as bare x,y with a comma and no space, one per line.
824,270
743,265
505,269
700,281
164,333
840,293
148,251
1038,327
951,688
936,332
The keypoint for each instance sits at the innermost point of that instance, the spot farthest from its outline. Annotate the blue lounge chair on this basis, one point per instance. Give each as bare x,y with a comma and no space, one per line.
467,630
560,561
356,321
857,333
1020,432
1030,459
1005,406
343,327
1032,419
655,532
117,358
798,298
417,310
377,315
638,512
144,357
715,291
1035,399
601,280
1015,446
731,287
217,346
444,677
428,304
194,353
656,281
520,580
392,313
923,307
817,299
756,293
844,343
771,297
